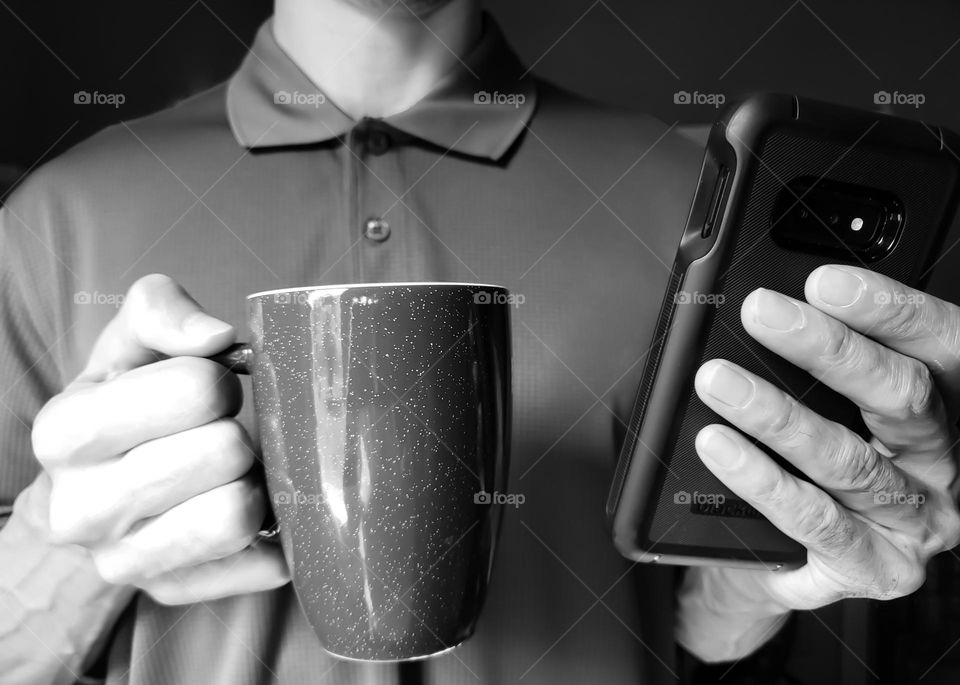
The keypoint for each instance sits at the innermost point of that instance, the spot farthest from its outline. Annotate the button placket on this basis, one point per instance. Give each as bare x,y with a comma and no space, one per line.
371,140
353,167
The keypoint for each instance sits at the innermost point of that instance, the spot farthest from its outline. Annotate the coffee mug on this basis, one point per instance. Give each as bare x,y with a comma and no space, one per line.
384,415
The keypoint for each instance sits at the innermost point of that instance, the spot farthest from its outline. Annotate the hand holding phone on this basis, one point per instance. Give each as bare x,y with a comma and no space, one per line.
874,511
788,187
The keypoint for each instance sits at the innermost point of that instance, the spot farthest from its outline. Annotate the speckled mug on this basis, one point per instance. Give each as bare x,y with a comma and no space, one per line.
384,415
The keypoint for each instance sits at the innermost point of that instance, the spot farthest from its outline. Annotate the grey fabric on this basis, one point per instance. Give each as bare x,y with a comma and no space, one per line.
580,215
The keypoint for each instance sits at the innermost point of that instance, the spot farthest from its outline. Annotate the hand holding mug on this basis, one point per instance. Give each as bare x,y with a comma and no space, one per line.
383,410
149,469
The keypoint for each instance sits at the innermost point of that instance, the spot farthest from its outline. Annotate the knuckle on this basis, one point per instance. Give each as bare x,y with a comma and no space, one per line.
820,523
141,302
147,305
67,531
227,433
113,570
773,491
203,386
785,420
950,315
878,478
900,316
142,294
68,426
232,447
935,318
842,347
70,517
243,510
68,527
232,540
48,437
854,465
915,390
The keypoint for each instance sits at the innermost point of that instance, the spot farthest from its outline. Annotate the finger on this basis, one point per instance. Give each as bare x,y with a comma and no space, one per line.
835,458
902,318
254,569
102,502
157,316
103,420
899,399
212,525
801,510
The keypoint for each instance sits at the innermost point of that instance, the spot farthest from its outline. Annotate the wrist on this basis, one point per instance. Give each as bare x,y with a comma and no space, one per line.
729,592
720,617
51,590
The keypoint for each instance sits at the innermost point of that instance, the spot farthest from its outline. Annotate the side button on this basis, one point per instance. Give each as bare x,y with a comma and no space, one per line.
716,203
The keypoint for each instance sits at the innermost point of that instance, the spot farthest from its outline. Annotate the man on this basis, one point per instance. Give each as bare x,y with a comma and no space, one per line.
369,141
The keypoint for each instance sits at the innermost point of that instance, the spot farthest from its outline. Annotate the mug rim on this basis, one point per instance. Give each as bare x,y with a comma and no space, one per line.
347,286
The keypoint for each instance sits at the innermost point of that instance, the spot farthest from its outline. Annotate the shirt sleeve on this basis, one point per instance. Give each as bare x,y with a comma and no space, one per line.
29,356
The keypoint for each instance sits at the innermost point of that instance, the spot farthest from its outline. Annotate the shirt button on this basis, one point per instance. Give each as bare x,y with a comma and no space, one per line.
378,142
376,229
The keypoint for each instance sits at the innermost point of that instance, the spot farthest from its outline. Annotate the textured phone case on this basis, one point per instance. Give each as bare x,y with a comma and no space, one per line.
664,501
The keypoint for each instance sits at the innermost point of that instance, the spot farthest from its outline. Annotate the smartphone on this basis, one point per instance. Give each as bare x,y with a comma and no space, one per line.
787,184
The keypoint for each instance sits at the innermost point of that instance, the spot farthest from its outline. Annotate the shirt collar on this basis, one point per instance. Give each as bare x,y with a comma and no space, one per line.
478,109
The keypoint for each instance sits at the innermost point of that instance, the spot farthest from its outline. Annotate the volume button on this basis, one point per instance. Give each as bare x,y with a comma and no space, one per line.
716,202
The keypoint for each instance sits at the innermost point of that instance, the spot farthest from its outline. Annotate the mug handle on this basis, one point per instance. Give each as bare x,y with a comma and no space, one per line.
238,358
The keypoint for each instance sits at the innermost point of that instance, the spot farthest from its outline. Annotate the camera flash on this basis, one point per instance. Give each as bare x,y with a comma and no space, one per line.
856,224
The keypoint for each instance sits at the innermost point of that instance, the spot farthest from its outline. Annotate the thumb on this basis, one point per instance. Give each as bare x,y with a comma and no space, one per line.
157,316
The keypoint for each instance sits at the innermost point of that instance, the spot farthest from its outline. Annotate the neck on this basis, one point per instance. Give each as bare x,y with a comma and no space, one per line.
372,64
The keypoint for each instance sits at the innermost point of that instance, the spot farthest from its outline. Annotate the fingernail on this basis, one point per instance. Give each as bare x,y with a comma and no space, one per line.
839,287
201,324
729,386
720,449
778,313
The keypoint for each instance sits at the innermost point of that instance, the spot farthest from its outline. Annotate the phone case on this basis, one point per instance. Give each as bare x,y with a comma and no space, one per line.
664,505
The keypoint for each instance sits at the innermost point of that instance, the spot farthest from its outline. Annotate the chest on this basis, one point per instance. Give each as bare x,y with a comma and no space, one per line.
586,277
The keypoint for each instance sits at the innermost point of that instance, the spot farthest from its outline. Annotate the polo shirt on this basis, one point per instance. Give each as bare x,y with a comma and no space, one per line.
494,177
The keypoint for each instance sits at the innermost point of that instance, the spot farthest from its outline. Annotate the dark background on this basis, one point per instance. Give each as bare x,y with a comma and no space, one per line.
625,52
620,51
